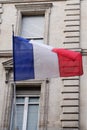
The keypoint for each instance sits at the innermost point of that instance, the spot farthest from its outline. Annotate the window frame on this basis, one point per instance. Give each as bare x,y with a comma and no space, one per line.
33,37
25,113
34,9
44,95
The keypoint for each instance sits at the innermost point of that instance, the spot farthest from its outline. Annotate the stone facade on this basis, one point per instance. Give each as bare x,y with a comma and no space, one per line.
63,103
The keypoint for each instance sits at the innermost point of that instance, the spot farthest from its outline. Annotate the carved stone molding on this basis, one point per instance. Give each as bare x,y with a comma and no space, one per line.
1,11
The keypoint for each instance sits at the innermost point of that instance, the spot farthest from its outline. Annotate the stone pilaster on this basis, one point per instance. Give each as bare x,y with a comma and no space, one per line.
72,24
71,86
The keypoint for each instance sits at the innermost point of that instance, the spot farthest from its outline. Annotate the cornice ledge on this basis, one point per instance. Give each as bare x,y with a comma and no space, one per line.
8,64
84,52
26,1
6,54
27,6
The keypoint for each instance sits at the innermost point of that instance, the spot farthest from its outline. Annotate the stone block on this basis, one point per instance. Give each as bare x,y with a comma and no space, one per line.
70,103
72,12
70,95
70,109
70,124
71,82
72,1
71,40
68,27
71,6
70,89
72,34
71,117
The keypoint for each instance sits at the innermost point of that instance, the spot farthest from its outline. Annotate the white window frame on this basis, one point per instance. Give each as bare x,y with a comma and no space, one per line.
43,104
36,38
26,103
34,9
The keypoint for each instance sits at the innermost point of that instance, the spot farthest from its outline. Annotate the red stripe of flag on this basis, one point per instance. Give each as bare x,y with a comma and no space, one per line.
70,62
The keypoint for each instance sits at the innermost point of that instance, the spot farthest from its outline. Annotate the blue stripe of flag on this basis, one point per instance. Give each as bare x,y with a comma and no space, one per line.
23,59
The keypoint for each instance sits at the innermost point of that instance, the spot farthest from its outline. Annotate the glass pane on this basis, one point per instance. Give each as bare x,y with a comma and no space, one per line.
32,122
19,116
32,26
20,100
34,99
40,41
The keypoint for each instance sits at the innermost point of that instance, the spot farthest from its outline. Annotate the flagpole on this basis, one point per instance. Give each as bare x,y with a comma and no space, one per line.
14,83
14,106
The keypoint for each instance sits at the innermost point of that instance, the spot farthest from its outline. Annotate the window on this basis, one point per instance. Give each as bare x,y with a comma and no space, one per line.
33,27
27,108
33,21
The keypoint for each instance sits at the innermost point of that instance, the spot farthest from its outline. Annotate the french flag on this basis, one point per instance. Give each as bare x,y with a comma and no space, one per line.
33,60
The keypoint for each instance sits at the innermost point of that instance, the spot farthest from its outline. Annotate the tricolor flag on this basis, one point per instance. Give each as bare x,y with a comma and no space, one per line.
39,61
